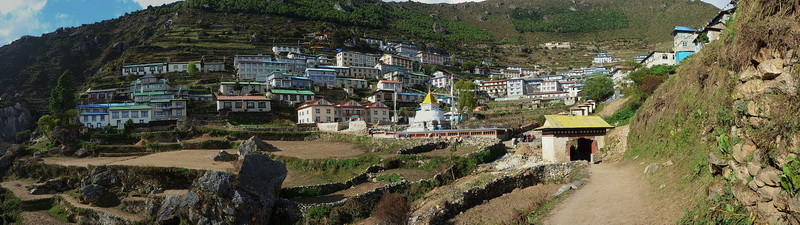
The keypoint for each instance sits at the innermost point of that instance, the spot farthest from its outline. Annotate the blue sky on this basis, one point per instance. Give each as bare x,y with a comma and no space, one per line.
35,17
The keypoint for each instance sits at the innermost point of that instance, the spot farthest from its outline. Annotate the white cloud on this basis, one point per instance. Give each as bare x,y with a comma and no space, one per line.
19,17
145,3
62,16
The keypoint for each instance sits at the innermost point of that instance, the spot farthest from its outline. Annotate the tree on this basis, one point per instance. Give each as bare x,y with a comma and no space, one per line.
468,65
45,125
599,88
192,70
62,99
495,77
466,96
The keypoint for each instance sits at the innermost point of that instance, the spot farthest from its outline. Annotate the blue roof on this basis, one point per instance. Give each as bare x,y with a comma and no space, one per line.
683,29
207,95
93,106
301,78
94,113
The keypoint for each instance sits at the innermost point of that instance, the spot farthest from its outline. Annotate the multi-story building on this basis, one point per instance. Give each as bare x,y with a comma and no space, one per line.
340,70
397,60
183,66
317,111
145,69
602,58
378,112
94,115
494,88
281,80
324,77
106,95
348,59
282,49
226,104
290,97
248,70
515,87
149,83
551,86
386,68
168,109
365,72
138,114
409,79
659,58
323,111
295,65
430,58
391,85
684,43
242,88
442,80
213,67
259,57
343,82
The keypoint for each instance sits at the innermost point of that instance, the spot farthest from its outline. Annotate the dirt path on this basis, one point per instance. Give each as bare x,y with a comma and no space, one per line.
190,159
40,217
615,194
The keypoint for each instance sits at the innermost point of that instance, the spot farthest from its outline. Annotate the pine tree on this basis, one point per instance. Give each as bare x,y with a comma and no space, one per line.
62,98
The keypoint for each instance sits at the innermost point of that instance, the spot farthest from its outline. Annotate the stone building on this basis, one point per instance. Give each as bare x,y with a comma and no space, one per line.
571,138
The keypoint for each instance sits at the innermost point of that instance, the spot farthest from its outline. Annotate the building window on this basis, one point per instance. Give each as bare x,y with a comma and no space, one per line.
134,114
262,104
226,105
145,114
238,105
102,118
251,105
318,112
94,118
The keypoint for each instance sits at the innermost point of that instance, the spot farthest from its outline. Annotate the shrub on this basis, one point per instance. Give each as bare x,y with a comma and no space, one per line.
790,179
319,212
392,209
394,178
9,207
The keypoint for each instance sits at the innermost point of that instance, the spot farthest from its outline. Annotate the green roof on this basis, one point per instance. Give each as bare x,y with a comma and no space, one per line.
282,91
149,64
151,93
133,107
166,100
244,83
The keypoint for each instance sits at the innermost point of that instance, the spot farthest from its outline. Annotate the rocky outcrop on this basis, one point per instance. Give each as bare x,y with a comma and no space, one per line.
342,7
14,119
96,186
223,156
253,145
427,147
224,198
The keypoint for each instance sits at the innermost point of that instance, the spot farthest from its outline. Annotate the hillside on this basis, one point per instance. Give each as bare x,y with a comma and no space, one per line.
219,29
727,119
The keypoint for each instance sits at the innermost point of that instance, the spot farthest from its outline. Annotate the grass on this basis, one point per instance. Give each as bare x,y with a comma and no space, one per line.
58,212
10,207
393,178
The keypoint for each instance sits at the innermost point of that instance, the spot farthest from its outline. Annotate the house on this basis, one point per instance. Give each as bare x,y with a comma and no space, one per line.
145,69
397,60
375,43
339,70
494,88
343,82
259,57
549,95
347,59
168,109
553,77
282,49
602,58
295,64
242,88
572,138
515,87
430,58
138,114
317,111
93,115
148,83
365,72
409,79
551,86
378,112
390,85
557,45
402,48
248,69
481,70
290,97
106,95
213,67
183,66
444,81
281,80
659,58
511,72
324,77
684,43
386,68
226,104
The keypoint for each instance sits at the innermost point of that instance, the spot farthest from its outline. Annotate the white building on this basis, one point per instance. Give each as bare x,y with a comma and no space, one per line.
280,49
139,114
242,88
557,45
515,87
397,60
145,69
248,70
348,59
257,103
317,111
391,85
429,117
442,81
365,72
659,58
494,88
409,79
339,70
602,58
183,66
430,58
551,86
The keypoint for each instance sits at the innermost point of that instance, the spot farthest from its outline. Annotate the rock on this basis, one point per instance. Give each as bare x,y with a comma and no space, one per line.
744,196
92,193
770,177
784,85
749,89
562,189
716,163
169,210
650,169
342,7
770,69
766,209
6,162
766,194
103,177
82,152
715,190
749,74
15,119
216,181
740,172
39,191
667,163
753,185
439,29
781,200
753,168
794,203
252,145
224,156
741,153
57,185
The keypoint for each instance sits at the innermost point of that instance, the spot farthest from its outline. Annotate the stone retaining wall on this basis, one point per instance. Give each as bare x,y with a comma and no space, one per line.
496,188
336,186
427,147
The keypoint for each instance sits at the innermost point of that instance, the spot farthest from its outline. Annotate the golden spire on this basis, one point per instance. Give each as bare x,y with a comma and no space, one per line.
429,99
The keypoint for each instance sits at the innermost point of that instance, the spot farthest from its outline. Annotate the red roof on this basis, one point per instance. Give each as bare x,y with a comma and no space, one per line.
391,81
373,105
311,103
494,81
250,98
568,82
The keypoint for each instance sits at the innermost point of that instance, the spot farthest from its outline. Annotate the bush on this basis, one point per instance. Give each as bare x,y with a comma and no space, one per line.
23,136
319,212
394,178
790,179
305,192
9,207
392,209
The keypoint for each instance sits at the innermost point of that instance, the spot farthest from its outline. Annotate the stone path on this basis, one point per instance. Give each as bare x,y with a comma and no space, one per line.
615,194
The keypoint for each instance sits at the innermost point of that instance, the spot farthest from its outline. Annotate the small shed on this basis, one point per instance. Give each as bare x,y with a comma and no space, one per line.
571,138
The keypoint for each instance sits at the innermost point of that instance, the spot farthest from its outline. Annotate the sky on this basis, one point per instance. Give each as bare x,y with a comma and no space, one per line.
36,17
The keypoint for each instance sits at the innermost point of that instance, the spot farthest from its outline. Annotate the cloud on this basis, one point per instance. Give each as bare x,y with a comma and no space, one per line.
62,16
20,17
145,3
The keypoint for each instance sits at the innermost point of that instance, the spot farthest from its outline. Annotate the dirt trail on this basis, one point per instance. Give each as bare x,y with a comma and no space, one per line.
615,194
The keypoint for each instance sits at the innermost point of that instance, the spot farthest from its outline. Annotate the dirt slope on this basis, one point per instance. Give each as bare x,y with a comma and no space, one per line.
615,194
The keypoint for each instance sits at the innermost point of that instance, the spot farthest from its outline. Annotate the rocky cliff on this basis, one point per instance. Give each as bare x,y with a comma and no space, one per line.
729,115
14,119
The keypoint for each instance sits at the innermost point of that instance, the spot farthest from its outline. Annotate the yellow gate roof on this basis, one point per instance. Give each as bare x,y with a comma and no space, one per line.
566,122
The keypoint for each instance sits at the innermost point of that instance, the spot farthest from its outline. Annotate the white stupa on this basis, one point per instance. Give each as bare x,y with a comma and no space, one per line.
429,117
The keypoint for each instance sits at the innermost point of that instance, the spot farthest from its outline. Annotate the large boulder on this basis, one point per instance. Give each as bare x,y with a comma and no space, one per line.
252,145
222,198
223,156
102,176
91,194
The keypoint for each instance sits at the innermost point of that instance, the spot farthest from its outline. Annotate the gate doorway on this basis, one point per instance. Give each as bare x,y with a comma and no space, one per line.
583,151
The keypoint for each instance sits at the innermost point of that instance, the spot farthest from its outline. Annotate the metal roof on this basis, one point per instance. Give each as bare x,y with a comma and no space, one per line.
133,107
283,91
567,122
